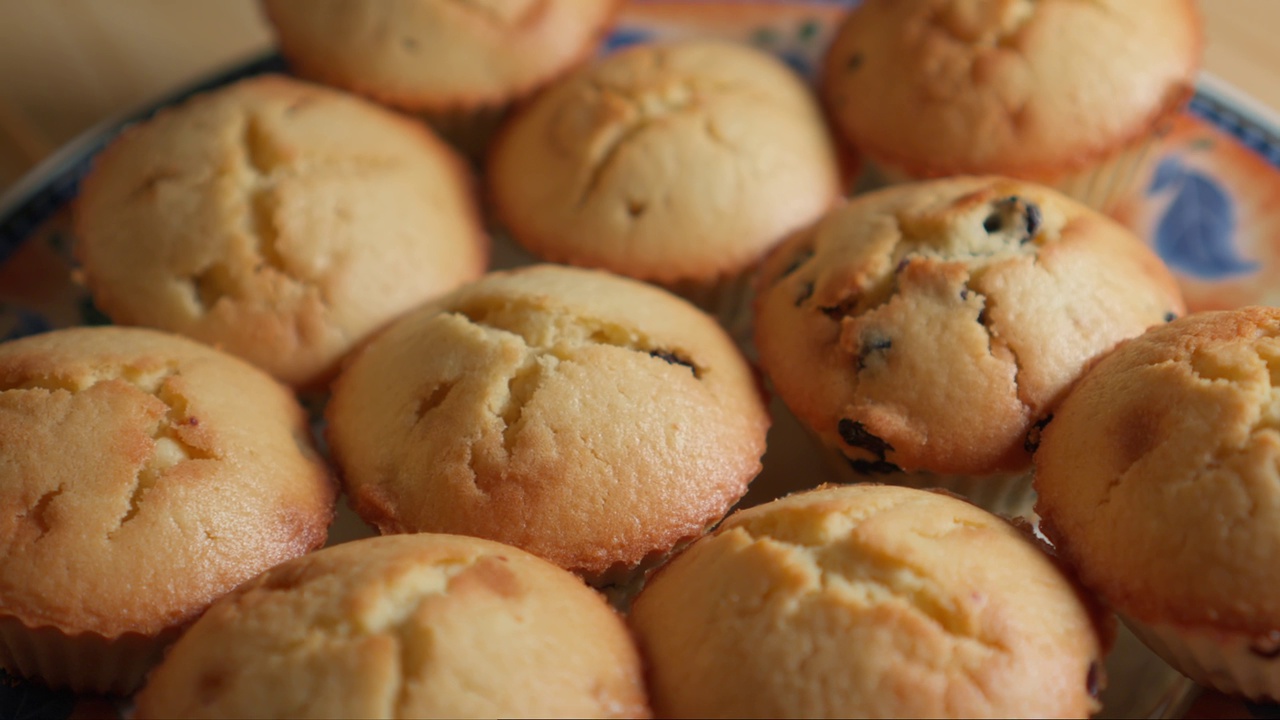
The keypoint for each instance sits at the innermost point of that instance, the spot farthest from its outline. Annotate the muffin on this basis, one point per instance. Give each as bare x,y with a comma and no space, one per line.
459,62
1063,93
592,420
926,331
280,221
142,476
400,627
868,601
1170,449
679,164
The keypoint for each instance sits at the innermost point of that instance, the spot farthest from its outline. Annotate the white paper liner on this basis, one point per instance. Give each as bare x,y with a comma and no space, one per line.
727,299
1007,494
468,131
84,663
1100,186
1233,663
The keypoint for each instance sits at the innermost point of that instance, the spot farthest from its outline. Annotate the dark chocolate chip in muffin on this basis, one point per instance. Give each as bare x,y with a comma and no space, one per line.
856,435
798,261
872,344
1034,220
854,62
1012,214
674,359
873,467
1033,435
840,310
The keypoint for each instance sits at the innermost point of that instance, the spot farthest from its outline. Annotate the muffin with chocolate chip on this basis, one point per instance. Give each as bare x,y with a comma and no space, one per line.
1159,479
142,476
869,601
926,332
1064,93
593,420
409,626
278,220
678,163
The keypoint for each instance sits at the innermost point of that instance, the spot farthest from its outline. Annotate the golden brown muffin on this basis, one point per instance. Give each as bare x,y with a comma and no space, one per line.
931,327
868,601
589,419
280,221
142,476
438,54
1159,479
675,162
404,627
1060,92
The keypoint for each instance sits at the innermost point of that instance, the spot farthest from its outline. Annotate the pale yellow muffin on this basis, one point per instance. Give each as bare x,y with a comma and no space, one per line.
1159,479
868,601
280,221
932,327
1060,92
673,163
142,476
438,55
592,420
404,627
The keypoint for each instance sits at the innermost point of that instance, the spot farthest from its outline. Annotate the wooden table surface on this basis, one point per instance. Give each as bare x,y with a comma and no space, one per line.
66,64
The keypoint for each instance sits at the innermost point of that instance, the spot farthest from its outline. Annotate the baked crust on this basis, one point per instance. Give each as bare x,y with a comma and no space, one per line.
144,475
590,419
1170,449
932,326
1035,89
278,220
438,55
407,626
868,601
668,162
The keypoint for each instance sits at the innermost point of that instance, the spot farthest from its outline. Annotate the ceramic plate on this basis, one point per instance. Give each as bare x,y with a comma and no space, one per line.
1211,209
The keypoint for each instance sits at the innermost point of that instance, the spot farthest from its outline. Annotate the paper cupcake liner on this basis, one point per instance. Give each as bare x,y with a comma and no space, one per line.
727,299
621,584
1006,494
1101,186
84,662
1104,185
468,131
1232,663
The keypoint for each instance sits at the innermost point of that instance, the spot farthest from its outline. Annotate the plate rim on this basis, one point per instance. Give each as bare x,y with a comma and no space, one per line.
52,183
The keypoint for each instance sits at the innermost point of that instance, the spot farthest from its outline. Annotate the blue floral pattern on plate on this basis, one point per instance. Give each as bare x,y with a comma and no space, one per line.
1195,234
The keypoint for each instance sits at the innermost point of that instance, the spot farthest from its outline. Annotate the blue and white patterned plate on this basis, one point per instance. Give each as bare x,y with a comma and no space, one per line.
1211,210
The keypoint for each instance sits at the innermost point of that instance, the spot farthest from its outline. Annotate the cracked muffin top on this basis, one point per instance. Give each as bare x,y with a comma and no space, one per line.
399,627
1170,449
671,162
280,221
593,420
142,475
1029,88
438,55
868,601
933,326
